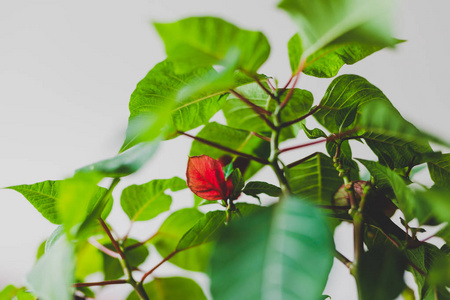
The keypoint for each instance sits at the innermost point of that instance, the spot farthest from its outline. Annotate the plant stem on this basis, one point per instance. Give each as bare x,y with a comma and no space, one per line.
124,263
257,109
229,150
310,113
291,91
100,283
131,247
348,263
263,87
157,266
102,248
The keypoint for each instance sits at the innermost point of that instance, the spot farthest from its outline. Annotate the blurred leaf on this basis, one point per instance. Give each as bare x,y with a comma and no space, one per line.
8,292
253,188
24,295
380,273
440,170
335,21
284,252
125,163
206,229
315,179
89,261
53,275
146,201
136,256
206,41
40,251
171,288
236,139
56,234
327,62
172,230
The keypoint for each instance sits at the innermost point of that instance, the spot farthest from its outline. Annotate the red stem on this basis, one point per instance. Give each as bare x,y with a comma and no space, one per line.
99,283
159,264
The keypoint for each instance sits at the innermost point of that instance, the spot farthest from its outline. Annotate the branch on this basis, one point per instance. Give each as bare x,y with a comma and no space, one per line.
263,87
159,264
291,91
99,283
112,239
226,149
267,139
348,263
131,247
311,112
102,248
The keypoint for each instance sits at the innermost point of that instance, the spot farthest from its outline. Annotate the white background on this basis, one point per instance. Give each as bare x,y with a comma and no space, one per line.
67,69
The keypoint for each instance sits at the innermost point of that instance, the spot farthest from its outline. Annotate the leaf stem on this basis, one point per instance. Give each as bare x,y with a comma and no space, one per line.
229,150
131,247
159,264
291,91
102,248
310,113
100,283
348,263
263,87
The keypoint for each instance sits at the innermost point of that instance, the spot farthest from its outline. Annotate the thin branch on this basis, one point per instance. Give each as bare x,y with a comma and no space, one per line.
259,110
102,248
226,149
159,264
348,263
291,91
311,112
267,139
99,283
131,247
112,239
300,161
263,87
271,85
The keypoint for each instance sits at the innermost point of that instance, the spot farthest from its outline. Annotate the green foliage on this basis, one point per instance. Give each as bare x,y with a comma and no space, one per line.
254,188
206,41
172,230
440,170
169,288
284,252
146,201
315,179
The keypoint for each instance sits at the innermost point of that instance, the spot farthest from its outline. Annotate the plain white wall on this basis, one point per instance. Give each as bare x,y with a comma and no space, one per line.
67,69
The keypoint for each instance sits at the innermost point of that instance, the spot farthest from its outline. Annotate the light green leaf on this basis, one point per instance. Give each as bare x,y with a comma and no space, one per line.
24,295
440,170
315,179
125,163
323,22
327,62
53,275
89,261
8,292
253,188
206,229
206,41
239,115
236,139
284,252
42,195
54,237
146,201
380,273
171,288
172,230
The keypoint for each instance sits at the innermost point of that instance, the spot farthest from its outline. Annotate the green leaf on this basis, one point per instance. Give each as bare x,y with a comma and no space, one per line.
239,115
24,295
171,288
284,252
380,273
8,292
315,179
125,163
53,275
206,41
146,201
89,261
172,230
327,62
345,157
135,256
54,237
336,21
395,141
240,140
433,202
314,133
440,170
42,195
346,116
206,229
253,188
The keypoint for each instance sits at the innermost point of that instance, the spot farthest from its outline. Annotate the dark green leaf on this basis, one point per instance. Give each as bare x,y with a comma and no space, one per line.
315,179
337,21
205,41
314,133
146,201
125,163
284,252
346,116
253,188
206,229
229,137
53,275
136,256
380,273
171,288
172,230
238,184
440,170
227,170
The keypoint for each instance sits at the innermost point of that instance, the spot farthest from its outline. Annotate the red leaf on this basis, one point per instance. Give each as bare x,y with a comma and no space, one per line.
205,178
